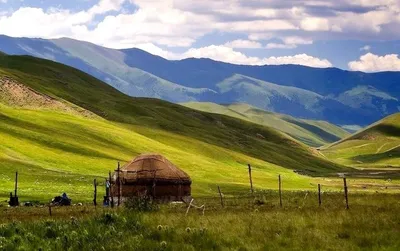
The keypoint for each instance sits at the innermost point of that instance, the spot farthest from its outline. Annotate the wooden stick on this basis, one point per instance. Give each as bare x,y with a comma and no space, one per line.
50,209
345,193
319,195
119,185
251,180
220,196
16,183
95,193
280,190
111,194
190,204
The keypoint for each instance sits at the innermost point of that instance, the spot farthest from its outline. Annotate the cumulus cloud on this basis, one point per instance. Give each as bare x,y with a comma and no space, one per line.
374,63
315,24
227,54
300,59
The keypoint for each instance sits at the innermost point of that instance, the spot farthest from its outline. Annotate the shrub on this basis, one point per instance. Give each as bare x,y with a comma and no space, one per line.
141,204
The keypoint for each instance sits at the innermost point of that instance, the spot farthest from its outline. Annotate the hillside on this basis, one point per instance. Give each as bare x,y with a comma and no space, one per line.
312,133
340,97
377,146
60,146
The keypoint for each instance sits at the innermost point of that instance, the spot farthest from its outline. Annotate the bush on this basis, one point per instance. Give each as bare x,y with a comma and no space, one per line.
141,204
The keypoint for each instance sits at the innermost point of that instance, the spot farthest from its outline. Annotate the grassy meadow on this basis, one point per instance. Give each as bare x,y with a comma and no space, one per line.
244,223
55,152
376,147
61,128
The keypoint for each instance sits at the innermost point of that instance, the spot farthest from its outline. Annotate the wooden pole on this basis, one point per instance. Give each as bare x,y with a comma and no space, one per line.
50,209
319,195
111,194
220,196
119,186
280,190
345,193
251,180
95,193
16,184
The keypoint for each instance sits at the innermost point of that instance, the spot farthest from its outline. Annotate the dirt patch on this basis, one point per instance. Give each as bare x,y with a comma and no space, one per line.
15,94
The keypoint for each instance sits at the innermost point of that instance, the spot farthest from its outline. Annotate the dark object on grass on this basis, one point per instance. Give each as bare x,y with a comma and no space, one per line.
13,202
28,204
62,200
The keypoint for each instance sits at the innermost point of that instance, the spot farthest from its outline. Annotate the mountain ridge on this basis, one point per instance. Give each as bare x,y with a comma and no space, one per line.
139,73
313,133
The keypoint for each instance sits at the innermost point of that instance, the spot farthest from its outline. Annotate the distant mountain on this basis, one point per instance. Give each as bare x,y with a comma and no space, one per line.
311,132
340,97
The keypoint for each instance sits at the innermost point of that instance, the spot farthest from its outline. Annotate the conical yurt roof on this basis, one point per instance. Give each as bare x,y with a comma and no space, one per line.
153,167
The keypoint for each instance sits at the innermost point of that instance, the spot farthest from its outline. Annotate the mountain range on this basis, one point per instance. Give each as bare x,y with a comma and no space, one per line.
330,94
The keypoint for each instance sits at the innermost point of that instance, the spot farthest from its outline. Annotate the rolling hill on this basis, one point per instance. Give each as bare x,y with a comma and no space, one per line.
60,128
340,97
377,146
313,133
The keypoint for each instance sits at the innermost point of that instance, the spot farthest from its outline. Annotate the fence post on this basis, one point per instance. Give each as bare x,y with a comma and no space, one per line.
220,196
95,192
280,190
111,194
119,186
50,209
251,180
16,184
319,195
345,193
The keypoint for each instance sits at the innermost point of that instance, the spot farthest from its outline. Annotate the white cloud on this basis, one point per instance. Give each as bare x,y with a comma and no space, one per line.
300,59
106,5
221,53
297,40
243,44
374,63
315,24
226,54
260,36
289,43
280,46
365,48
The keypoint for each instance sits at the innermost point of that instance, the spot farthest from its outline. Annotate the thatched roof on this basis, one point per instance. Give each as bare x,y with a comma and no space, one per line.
149,168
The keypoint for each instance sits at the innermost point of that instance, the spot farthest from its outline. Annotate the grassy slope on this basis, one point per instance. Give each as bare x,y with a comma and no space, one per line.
310,132
376,146
57,152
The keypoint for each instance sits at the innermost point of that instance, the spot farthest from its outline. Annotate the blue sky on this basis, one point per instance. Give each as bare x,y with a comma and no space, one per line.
349,34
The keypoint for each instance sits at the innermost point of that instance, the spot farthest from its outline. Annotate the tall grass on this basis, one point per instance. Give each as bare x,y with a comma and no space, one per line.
371,223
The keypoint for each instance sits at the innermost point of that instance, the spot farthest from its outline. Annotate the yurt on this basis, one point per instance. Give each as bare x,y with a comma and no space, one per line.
151,175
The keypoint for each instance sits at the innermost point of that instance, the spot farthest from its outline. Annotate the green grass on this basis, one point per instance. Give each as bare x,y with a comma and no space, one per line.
375,147
56,152
69,84
311,132
370,224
